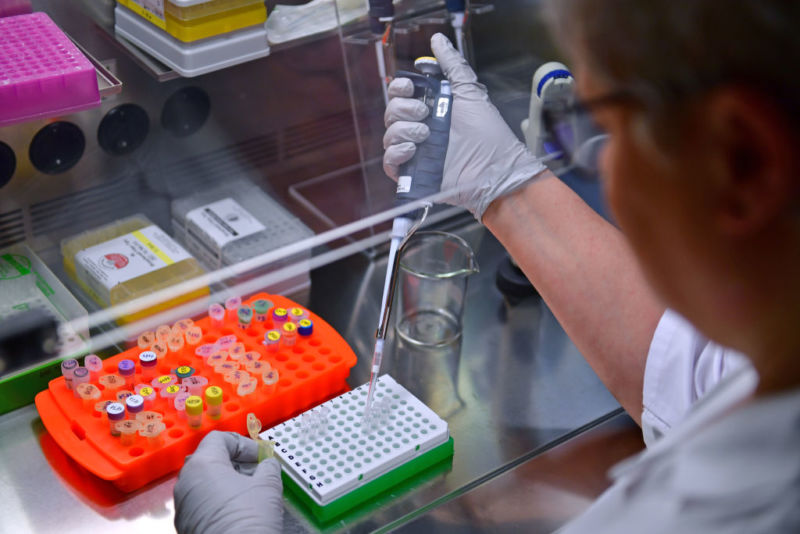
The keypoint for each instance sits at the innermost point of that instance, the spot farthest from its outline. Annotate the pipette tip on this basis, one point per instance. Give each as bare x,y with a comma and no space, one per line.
373,379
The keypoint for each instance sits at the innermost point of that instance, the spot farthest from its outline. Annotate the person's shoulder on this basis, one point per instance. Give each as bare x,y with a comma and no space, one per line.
744,467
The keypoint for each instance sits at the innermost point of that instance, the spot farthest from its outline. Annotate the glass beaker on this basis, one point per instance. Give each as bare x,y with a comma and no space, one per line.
434,268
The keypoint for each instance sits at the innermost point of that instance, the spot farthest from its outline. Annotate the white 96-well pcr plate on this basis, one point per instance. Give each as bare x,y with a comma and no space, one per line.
331,450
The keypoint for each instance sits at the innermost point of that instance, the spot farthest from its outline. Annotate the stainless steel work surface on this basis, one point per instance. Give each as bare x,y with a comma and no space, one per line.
514,388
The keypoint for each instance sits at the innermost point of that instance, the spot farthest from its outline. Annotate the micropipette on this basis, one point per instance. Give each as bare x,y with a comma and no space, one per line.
381,15
458,16
418,179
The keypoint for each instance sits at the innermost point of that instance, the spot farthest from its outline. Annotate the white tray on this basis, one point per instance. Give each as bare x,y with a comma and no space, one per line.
340,454
196,58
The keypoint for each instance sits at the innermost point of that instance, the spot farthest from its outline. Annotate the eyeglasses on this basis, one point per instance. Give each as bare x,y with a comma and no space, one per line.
571,134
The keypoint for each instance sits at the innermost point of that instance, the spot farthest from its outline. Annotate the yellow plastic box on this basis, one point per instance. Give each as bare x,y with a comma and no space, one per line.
199,21
128,259
188,13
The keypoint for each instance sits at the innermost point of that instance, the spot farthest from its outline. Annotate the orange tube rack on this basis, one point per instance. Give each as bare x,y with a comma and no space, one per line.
310,371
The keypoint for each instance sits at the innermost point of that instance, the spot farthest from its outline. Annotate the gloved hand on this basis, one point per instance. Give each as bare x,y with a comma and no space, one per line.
484,158
221,489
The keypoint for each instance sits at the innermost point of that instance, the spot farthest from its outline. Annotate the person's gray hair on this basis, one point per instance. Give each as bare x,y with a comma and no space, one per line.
666,51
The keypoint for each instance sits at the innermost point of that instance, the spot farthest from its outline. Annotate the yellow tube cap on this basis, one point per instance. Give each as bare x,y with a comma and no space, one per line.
194,405
213,395
289,328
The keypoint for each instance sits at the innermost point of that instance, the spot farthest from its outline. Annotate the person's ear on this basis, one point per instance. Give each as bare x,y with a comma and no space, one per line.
754,159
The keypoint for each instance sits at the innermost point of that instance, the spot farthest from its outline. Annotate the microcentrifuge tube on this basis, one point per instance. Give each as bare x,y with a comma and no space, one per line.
257,367
204,351
247,386
251,356
194,335
245,315
270,379
368,421
213,396
80,375
164,381
148,361
232,307
154,432
236,377
265,448
171,391
160,349
184,371
279,316
225,342
101,406
194,411
305,427
111,383
67,366
176,331
226,367
163,332
236,351
134,404
316,423
179,403
89,393
253,426
261,308
297,314
148,417
123,394
183,325
305,327
216,359
217,315
272,340
175,343
116,413
148,395
195,384
146,339
127,431
127,369
289,332
94,364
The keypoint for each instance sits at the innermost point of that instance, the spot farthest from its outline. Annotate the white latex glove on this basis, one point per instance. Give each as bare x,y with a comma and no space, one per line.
221,489
484,158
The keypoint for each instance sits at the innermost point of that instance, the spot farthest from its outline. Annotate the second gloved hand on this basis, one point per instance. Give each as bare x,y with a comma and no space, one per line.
222,489
484,158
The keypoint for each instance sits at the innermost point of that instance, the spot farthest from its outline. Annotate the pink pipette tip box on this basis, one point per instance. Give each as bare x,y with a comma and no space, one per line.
42,73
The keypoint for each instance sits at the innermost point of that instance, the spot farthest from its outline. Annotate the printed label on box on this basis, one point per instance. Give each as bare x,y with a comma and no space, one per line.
151,10
14,266
127,257
224,221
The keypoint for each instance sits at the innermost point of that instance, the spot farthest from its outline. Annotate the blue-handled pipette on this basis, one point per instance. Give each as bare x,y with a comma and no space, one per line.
381,15
458,18
420,178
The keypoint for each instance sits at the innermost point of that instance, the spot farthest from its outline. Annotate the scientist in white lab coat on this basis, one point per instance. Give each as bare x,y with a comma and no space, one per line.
690,311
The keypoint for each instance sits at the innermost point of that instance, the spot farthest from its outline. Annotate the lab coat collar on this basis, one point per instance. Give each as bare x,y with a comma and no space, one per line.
730,444
729,393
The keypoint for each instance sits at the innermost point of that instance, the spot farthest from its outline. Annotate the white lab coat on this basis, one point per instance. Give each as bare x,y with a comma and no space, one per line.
716,460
